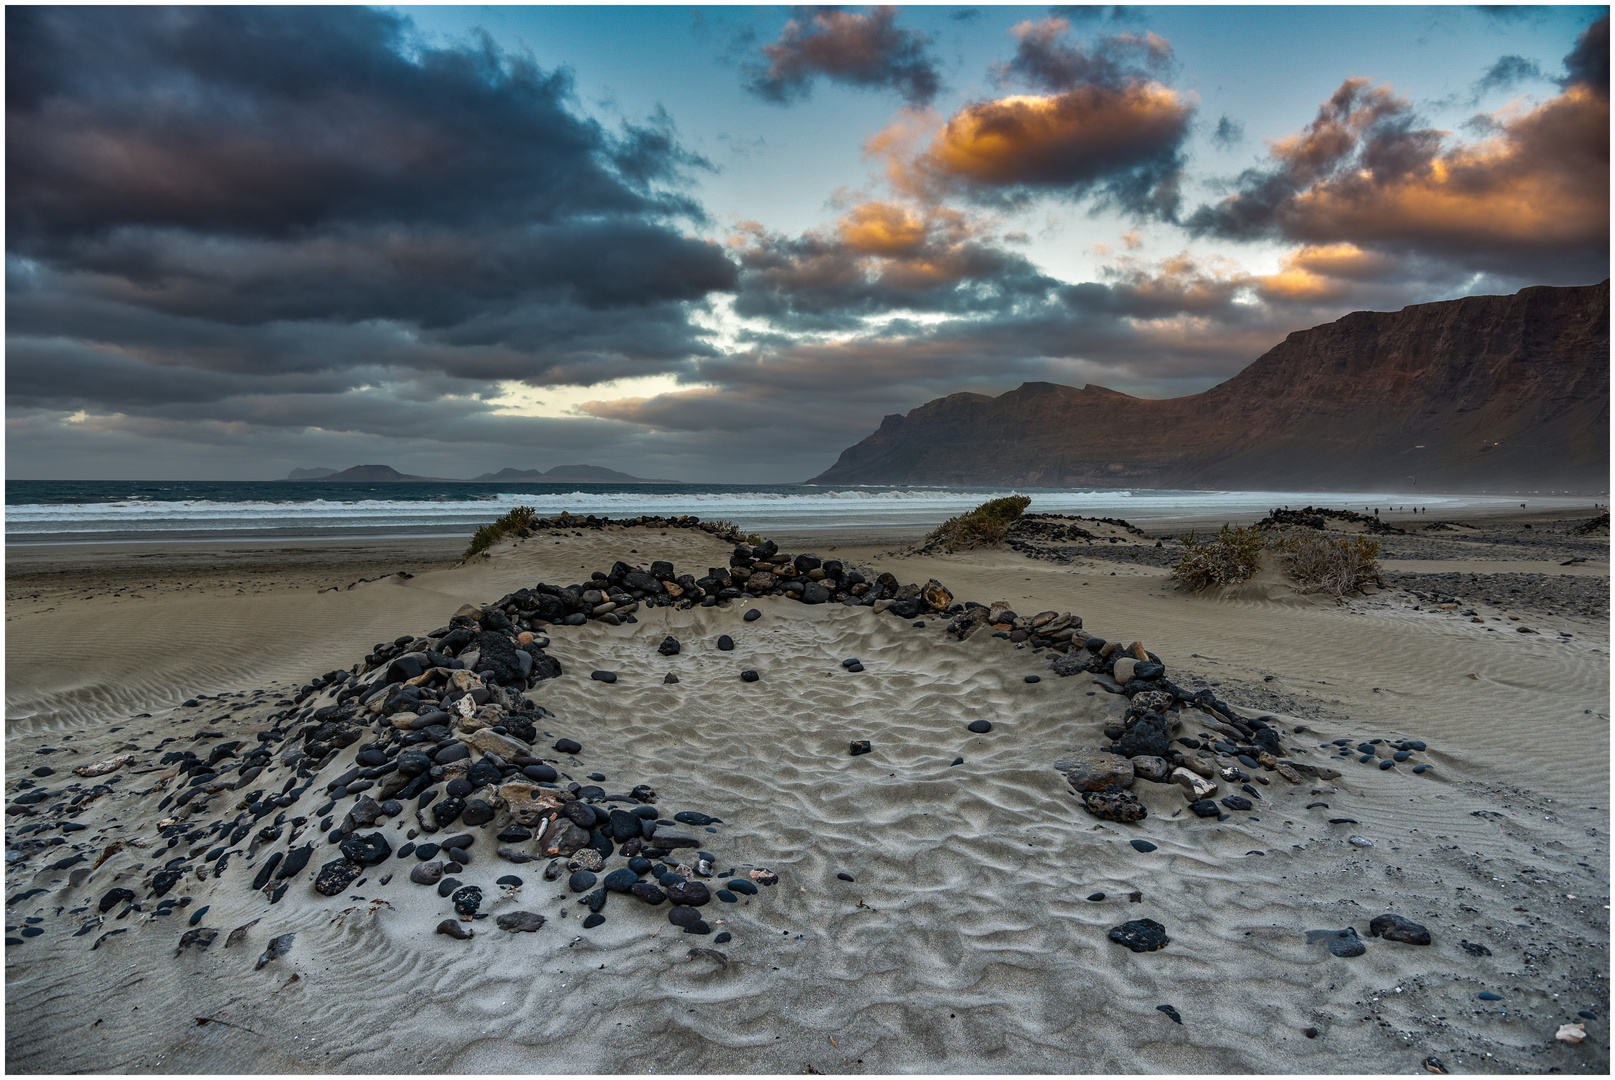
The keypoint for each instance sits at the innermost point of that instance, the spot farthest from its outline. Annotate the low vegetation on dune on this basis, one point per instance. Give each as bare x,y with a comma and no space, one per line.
1230,557
1338,565
490,534
985,526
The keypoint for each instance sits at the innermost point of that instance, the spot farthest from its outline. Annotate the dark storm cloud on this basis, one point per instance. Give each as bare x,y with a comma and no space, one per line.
866,50
1588,63
1102,124
1532,198
249,189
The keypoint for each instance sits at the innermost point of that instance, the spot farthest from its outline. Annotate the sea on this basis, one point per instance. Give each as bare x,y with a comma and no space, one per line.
135,511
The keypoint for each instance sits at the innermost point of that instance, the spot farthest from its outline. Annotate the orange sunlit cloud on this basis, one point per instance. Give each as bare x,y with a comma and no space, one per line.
1051,140
1539,183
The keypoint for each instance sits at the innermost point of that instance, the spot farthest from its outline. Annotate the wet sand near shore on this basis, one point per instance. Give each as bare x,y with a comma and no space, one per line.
966,942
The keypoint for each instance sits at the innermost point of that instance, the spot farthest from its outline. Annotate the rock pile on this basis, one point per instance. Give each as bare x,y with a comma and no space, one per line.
1148,742
1320,517
753,571
1046,629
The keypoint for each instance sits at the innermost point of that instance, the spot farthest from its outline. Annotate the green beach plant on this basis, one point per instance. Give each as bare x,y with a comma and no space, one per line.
985,526
493,532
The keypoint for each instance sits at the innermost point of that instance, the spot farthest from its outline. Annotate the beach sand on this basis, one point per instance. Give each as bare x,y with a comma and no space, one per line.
965,942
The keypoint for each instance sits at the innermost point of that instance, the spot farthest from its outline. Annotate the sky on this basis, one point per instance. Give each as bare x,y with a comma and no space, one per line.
720,244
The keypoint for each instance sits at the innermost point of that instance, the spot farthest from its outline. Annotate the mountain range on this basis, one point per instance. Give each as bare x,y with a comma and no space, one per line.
560,474
1484,393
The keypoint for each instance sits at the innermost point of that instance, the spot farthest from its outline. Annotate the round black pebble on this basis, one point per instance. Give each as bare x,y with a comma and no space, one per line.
1034,678
957,761
1096,897
844,876
568,746
593,921
580,881
980,727
727,897
749,676
510,879
459,787
603,676
753,615
723,938
726,643
1142,845
682,916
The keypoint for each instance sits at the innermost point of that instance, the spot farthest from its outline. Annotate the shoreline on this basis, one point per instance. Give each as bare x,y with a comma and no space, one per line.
1154,524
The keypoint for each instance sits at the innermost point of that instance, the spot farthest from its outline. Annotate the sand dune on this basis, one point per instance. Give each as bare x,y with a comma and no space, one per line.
965,942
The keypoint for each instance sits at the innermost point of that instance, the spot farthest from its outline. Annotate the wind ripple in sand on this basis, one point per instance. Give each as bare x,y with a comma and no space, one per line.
964,944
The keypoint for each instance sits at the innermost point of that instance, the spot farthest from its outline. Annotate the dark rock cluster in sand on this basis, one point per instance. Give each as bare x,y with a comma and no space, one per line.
1149,741
439,727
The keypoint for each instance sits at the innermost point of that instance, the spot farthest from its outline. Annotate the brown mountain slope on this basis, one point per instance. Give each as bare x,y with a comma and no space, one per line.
1483,393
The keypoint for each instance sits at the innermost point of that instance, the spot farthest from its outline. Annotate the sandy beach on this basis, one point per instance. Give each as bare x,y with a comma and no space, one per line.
972,936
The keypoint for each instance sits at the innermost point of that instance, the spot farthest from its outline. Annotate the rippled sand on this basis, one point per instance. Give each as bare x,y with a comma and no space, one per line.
965,943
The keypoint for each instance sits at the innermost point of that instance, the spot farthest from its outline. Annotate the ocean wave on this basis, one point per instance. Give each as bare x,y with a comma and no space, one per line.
762,509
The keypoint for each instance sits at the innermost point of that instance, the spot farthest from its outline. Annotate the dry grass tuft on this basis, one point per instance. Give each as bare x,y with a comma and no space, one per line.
1338,565
985,526
1230,557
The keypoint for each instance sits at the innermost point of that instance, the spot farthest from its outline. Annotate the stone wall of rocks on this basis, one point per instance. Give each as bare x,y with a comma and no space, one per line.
1170,735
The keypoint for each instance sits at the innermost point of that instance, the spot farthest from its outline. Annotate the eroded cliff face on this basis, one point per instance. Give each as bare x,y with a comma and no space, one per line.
1482,393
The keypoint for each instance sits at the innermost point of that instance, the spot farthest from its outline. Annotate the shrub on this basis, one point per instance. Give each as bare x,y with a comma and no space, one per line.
985,526
1337,565
728,530
487,535
1228,558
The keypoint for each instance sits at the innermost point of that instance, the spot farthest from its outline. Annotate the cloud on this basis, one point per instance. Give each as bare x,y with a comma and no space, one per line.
1506,74
865,50
1588,64
880,257
1158,326
1325,272
1530,199
1101,126
1228,133
245,206
1045,61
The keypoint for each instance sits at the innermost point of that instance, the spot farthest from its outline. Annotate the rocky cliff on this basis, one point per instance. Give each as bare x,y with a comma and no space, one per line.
1483,393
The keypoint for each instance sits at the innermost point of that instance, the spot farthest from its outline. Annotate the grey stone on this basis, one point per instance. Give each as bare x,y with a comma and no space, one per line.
1095,770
